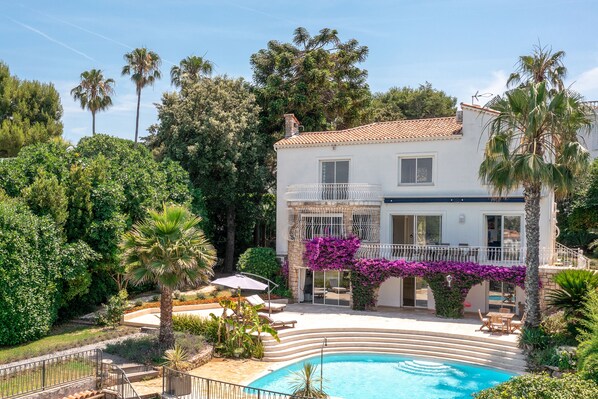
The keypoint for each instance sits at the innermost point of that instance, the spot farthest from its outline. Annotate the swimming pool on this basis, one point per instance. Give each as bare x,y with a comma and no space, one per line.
375,376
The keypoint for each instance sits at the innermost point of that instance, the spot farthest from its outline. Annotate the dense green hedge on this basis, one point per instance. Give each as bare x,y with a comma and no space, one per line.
260,261
542,386
206,327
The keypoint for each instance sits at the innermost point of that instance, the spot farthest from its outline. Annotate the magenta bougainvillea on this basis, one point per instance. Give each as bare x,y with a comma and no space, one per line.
331,253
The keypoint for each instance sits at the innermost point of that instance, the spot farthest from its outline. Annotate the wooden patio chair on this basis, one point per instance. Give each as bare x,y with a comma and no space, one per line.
518,324
484,320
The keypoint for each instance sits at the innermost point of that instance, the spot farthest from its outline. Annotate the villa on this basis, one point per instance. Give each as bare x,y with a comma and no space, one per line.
408,189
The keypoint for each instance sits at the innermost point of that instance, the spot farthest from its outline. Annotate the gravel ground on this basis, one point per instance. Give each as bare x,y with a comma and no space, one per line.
97,345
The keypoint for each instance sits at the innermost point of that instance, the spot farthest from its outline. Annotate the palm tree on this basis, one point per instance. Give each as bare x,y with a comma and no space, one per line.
169,249
574,287
94,93
533,144
190,69
541,66
144,67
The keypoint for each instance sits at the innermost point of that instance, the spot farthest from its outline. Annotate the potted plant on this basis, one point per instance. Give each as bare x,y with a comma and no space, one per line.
178,383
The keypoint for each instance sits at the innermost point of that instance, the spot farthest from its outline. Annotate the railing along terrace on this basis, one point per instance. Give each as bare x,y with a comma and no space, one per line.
507,256
116,380
334,192
40,375
177,384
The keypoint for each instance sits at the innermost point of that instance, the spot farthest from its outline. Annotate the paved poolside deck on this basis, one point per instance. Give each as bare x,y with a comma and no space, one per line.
310,316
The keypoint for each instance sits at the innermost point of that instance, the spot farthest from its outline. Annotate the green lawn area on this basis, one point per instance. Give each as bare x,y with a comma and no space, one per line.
55,374
61,337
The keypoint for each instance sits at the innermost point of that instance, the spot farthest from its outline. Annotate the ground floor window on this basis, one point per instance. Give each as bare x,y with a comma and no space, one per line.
501,295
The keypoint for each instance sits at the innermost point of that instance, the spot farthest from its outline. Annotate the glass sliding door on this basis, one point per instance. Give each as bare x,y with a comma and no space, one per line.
501,295
332,287
503,238
409,291
421,293
429,230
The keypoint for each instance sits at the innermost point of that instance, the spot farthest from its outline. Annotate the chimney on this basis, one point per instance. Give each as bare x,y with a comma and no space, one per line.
459,117
291,125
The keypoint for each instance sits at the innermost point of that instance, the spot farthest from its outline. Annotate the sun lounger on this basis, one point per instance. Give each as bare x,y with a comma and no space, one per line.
255,300
278,324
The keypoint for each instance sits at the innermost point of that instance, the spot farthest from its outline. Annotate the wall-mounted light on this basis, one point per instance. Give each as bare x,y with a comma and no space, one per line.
462,218
449,280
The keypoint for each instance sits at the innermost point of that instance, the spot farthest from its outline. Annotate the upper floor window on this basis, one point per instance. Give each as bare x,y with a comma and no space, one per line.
335,172
415,170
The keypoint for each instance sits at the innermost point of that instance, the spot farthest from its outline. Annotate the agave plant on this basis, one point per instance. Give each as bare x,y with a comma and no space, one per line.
575,285
306,383
176,358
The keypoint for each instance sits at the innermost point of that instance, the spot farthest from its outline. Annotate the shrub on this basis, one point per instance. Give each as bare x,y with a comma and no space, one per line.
205,327
146,349
138,302
588,339
260,261
542,386
114,310
176,294
182,298
30,273
156,298
575,284
200,296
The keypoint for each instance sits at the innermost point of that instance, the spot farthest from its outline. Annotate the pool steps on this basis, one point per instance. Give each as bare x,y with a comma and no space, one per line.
485,351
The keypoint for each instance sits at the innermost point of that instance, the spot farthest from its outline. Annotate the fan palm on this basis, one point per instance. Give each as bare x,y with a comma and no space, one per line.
575,285
144,67
533,144
305,382
169,249
190,70
541,66
94,93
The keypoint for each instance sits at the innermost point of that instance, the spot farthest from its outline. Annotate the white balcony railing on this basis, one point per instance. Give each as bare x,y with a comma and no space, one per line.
513,256
356,192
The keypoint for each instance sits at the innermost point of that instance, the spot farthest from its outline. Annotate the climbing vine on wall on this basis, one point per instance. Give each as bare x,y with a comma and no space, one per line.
329,253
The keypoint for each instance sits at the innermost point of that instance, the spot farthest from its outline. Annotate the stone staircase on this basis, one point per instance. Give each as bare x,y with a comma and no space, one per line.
484,351
138,372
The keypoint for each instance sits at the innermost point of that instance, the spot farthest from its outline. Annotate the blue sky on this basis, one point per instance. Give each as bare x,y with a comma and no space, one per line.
460,46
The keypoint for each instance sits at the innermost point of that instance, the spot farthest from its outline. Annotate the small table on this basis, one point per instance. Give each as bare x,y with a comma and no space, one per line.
505,316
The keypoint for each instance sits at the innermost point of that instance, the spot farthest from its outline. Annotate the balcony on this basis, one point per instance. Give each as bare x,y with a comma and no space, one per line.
334,192
559,256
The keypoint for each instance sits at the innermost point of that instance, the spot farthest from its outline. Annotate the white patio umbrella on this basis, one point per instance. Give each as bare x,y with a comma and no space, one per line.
240,282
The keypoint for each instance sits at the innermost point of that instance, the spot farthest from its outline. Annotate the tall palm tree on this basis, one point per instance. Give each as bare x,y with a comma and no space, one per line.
190,69
533,144
94,93
169,249
144,67
541,66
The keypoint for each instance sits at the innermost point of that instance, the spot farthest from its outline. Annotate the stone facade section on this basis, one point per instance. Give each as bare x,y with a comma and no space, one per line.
296,246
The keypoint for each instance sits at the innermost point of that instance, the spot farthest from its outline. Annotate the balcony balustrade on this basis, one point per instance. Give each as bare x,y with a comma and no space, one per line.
338,192
505,256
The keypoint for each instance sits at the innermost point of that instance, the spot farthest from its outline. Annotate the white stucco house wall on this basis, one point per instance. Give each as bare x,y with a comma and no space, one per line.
409,189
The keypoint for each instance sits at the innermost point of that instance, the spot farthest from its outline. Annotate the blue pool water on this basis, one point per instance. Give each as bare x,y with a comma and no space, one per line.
372,376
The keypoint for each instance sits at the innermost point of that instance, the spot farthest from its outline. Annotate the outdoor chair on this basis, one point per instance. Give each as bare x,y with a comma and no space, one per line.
255,300
335,286
497,323
484,320
517,324
278,324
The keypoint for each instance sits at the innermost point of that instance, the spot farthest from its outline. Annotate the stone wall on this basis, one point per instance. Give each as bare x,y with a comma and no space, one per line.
296,247
546,274
64,390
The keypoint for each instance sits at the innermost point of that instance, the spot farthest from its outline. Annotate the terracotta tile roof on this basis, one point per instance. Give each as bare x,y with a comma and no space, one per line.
380,132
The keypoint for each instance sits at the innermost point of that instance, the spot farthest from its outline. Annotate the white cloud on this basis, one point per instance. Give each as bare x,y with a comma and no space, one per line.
587,81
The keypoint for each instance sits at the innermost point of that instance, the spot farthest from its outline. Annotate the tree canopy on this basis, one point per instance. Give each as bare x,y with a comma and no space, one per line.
30,113
211,127
93,192
315,77
409,103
